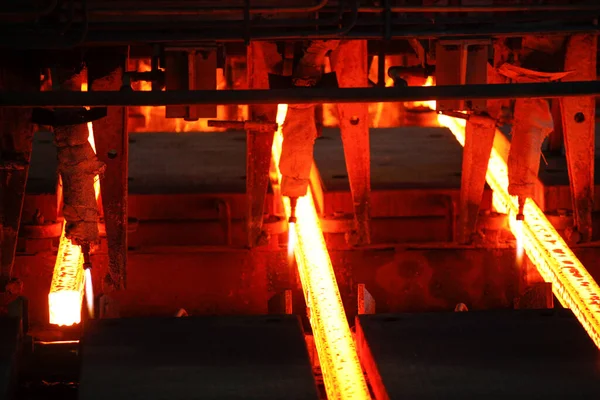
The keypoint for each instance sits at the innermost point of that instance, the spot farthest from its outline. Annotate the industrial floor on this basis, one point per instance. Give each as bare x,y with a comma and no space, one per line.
474,355
526,354
172,173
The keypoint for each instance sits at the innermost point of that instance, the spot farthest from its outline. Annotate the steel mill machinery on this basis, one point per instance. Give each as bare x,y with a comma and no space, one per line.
310,199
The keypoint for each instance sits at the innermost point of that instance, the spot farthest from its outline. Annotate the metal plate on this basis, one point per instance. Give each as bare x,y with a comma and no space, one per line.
473,355
259,357
10,333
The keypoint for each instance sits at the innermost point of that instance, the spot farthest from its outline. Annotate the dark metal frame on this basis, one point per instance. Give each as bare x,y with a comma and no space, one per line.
298,95
97,23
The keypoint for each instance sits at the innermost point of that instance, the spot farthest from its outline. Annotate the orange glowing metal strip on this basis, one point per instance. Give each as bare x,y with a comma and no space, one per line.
342,373
68,280
66,290
572,284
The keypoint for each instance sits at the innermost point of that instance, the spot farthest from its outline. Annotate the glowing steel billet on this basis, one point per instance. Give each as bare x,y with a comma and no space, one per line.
571,283
66,291
69,280
342,373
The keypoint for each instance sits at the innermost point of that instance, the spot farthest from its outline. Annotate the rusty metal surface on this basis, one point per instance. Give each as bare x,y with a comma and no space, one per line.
192,70
579,131
350,63
492,354
112,147
260,357
423,279
264,60
479,140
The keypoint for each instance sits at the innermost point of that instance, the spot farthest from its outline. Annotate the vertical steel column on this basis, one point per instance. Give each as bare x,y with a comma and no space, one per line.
579,130
262,59
349,61
112,148
479,140
16,139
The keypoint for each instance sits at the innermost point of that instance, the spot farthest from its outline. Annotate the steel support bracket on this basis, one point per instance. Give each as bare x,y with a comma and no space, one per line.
263,59
479,140
349,60
112,147
366,302
191,69
462,62
578,118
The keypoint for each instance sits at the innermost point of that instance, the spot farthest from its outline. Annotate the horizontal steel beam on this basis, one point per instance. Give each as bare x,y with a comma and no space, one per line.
298,95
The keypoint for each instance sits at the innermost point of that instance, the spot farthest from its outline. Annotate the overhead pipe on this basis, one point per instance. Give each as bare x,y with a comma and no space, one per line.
299,95
171,10
137,8
482,9
177,24
231,35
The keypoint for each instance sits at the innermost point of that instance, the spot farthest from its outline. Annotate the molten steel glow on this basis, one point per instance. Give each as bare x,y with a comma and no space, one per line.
519,236
89,292
66,290
429,104
291,242
342,373
69,280
556,263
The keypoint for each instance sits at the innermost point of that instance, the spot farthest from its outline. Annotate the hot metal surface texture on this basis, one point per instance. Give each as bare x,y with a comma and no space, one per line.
572,284
342,373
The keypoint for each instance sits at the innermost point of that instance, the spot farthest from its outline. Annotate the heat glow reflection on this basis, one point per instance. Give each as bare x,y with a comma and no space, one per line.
66,290
519,236
556,263
291,242
69,280
342,373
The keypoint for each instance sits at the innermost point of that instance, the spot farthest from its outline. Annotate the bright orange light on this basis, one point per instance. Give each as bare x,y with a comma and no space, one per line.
89,292
556,263
92,141
520,238
342,373
291,241
66,290
429,104
69,280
